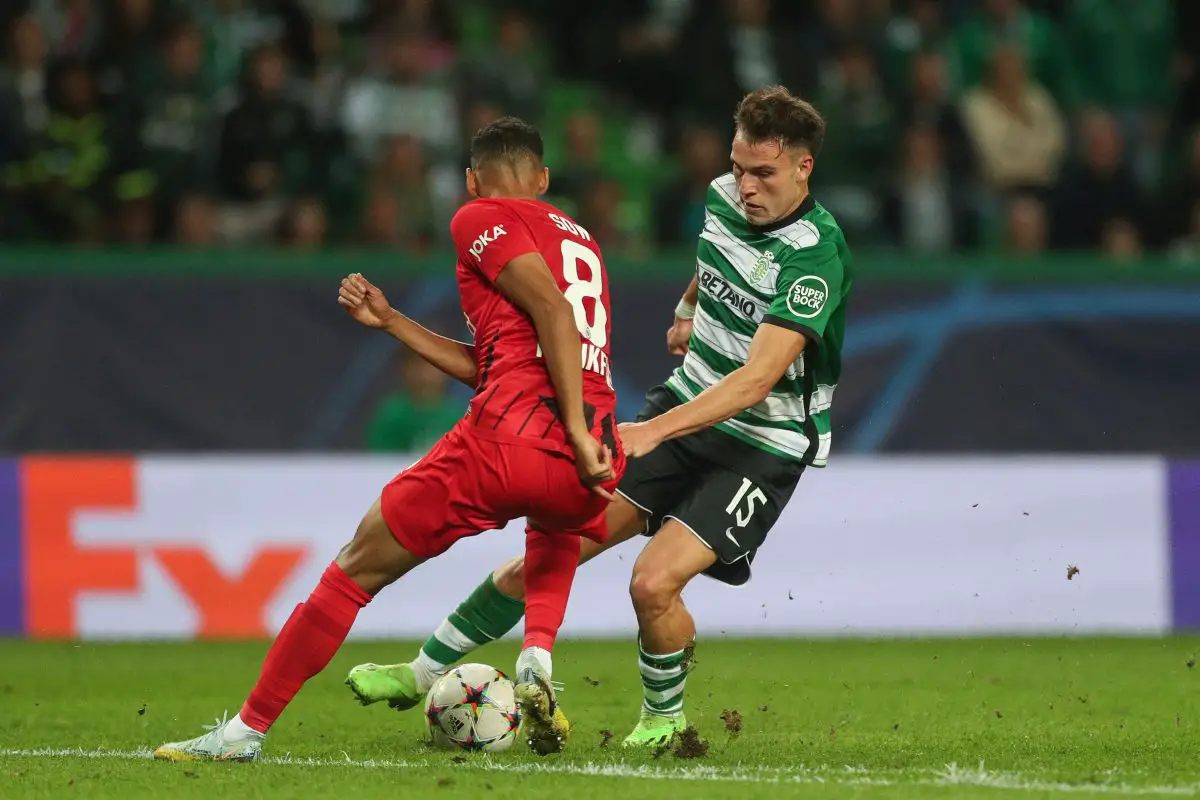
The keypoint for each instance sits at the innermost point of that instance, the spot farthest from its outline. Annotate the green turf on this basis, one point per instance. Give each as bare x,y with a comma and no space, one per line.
827,719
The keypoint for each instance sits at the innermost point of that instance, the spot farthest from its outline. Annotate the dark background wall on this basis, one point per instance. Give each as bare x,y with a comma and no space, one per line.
164,353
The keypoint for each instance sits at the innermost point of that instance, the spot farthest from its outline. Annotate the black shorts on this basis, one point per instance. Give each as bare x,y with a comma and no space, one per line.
726,492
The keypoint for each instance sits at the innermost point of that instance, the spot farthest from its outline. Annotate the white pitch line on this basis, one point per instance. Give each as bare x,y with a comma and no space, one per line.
952,775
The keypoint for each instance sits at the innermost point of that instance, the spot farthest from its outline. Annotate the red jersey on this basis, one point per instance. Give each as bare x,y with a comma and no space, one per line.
514,397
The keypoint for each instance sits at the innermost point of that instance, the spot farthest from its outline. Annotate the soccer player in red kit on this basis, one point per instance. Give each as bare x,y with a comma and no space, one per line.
538,439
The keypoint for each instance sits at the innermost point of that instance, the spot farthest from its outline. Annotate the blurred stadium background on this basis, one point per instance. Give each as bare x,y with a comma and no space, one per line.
190,427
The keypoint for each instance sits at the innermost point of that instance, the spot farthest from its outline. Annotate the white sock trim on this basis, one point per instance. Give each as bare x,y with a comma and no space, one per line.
538,655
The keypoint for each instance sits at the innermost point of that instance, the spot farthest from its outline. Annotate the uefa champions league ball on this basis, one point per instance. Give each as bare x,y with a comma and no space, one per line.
473,707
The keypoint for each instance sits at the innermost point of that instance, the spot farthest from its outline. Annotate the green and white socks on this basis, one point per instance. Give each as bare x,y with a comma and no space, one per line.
488,614
483,617
663,679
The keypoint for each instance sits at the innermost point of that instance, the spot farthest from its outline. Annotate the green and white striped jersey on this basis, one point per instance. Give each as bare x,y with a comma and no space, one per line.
796,273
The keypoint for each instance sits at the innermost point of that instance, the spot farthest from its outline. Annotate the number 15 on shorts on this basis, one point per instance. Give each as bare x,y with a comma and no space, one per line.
754,498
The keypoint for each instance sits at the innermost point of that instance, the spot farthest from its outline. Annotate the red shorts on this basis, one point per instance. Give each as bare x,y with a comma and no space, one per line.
468,484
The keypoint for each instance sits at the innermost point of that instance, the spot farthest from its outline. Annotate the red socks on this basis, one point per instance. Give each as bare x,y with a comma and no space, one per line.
550,564
305,645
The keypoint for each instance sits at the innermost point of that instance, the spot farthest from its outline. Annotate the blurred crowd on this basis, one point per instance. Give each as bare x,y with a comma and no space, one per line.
1010,125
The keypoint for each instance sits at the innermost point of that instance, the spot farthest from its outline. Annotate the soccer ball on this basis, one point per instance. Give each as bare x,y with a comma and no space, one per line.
473,707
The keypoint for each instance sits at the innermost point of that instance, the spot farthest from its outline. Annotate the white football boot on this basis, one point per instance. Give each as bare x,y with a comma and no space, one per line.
227,740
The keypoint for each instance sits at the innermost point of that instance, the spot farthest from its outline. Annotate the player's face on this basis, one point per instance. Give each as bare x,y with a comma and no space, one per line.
772,179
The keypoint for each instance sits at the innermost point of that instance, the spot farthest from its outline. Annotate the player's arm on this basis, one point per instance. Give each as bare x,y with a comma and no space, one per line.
455,358
528,283
773,349
806,295
367,304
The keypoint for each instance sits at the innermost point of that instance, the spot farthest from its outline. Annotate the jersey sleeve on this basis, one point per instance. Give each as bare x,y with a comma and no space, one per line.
488,236
807,291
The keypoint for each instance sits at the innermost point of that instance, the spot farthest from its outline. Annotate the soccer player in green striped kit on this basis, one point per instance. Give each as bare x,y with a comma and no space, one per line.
721,445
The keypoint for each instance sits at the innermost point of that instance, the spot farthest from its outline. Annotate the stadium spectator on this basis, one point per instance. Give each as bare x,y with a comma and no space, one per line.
744,49
401,171
1010,24
1017,131
926,212
632,39
478,113
402,100
326,84
1181,193
580,164
679,205
1121,240
1123,56
134,220
196,221
600,213
305,225
511,72
127,52
431,25
385,226
236,28
417,413
910,35
926,103
1098,189
1186,248
164,126
23,84
263,137
856,166
72,27
1027,224
69,164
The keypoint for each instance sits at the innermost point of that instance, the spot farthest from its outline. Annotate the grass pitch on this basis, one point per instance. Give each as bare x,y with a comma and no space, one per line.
825,719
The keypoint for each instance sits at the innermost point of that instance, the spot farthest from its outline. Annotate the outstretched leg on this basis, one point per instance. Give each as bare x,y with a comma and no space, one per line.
306,643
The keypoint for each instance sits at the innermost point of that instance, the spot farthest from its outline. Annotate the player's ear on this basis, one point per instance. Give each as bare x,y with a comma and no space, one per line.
544,181
804,166
472,183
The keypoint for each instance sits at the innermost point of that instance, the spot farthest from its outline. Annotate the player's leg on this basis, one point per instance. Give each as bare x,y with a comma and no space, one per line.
666,630
550,563
306,643
716,530
651,484
493,609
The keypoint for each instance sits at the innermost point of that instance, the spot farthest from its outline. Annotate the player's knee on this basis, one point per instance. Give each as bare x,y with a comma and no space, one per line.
373,558
652,590
510,578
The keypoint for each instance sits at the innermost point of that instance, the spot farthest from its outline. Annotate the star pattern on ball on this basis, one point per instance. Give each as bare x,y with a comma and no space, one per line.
433,712
475,696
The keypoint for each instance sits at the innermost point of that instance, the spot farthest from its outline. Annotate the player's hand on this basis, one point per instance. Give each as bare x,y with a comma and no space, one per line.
678,336
593,462
638,438
365,302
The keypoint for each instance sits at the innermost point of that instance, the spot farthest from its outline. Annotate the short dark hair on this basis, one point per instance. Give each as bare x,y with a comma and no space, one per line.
508,138
772,113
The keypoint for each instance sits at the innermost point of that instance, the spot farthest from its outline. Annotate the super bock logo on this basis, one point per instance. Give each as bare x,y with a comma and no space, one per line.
807,296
